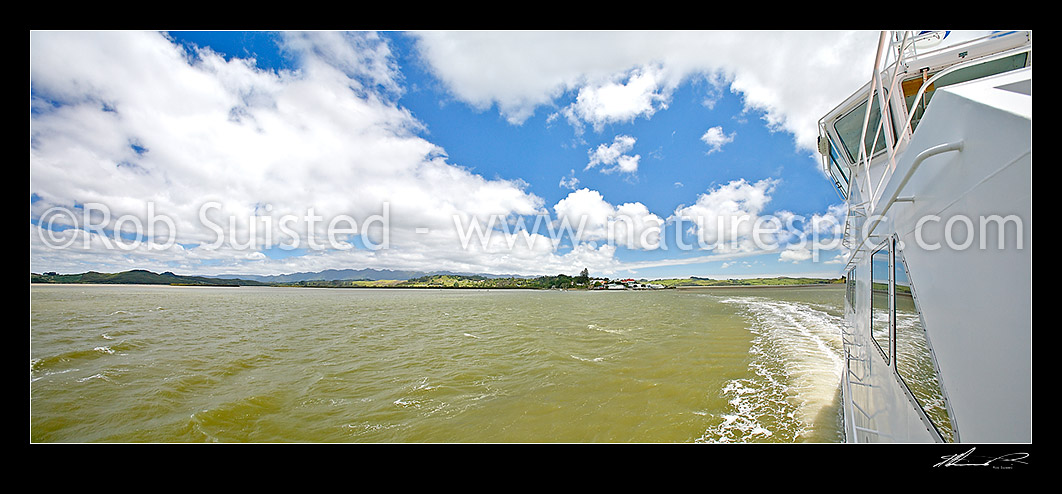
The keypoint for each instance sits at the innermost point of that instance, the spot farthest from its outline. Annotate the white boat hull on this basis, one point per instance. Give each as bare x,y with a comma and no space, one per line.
960,228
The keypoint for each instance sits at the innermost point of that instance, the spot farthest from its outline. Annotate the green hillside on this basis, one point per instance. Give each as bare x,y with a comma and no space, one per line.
137,277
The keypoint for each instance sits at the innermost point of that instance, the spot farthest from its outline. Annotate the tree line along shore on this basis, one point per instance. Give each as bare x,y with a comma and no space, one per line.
583,281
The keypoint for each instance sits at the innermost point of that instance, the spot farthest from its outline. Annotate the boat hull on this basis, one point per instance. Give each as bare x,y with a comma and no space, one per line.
960,231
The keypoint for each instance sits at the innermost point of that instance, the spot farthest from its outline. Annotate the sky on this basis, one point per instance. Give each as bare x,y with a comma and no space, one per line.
631,154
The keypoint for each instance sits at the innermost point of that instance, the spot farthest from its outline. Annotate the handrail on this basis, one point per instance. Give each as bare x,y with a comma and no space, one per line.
849,417
931,80
957,46
864,158
892,142
912,44
852,209
930,152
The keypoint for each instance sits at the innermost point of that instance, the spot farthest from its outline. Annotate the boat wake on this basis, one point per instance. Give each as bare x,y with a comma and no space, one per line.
794,369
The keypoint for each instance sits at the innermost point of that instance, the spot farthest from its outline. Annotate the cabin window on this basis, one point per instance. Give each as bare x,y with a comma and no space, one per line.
850,290
880,313
839,170
850,126
915,363
911,86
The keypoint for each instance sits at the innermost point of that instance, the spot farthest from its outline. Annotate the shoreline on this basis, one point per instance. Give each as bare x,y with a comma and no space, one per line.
700,287
804,285
441,282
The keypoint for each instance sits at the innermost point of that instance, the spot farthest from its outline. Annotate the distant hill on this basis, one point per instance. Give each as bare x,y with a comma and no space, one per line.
354,275
450,281
328,275
144,277
138,277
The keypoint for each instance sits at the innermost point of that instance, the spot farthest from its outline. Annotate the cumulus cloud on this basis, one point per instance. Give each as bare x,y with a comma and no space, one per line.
569,182
591,218
715,138
635,227
520,72
795,254
732,219
130,121
725,218
638,94
821,233
586,212
362,56
614,157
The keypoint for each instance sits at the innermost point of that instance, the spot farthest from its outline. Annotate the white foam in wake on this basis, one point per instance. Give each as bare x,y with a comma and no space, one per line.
795,370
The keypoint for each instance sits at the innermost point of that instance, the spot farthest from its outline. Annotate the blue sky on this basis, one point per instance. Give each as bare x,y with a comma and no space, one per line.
202,134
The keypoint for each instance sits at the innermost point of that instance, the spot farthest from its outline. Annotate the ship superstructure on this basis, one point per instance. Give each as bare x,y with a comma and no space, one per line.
934,159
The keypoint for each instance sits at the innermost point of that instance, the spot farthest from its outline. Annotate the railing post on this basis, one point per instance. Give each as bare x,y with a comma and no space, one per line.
933,151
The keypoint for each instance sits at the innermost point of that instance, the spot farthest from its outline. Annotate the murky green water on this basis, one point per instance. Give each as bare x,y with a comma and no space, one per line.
193,364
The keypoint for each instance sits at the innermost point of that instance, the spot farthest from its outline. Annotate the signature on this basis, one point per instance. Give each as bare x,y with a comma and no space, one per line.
967,460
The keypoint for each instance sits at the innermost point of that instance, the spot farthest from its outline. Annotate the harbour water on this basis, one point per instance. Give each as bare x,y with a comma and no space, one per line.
164,364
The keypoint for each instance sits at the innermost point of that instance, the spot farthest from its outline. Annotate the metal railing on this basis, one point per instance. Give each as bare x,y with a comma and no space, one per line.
849,378
895,197
893,143
877,89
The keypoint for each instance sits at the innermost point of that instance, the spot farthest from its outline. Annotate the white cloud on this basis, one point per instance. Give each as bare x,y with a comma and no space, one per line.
839,258
613,157
793,77
732,219
569,182
807,238
322,139
717,84
586,212
726,218
715,138
592,218
636,228
130,119
638,94
795,254
362,56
